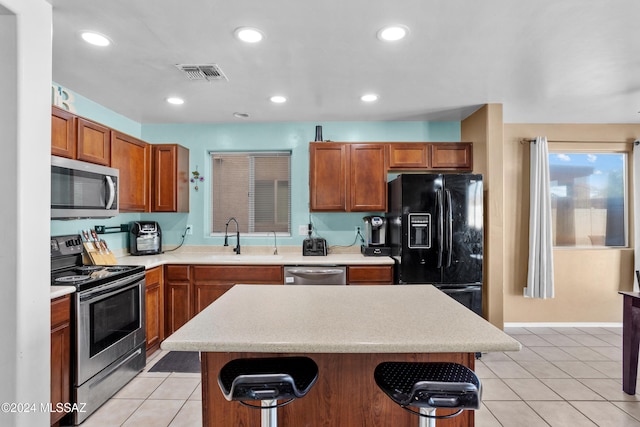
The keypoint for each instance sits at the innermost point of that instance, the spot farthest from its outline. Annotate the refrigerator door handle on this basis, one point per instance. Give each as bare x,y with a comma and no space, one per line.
449,227
440,210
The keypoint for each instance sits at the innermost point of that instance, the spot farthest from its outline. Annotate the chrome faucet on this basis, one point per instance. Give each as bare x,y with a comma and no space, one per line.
226,236
275,243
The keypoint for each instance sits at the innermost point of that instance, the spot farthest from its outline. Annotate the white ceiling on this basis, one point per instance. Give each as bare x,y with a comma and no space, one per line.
546,61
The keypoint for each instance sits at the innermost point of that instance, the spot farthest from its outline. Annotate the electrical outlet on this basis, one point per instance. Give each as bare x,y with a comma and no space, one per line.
189,229
302,230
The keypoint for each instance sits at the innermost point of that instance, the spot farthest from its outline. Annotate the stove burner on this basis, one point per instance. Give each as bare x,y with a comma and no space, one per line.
72,279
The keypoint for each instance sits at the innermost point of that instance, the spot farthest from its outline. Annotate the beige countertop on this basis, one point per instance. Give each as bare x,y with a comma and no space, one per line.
251,256
338,319
60,291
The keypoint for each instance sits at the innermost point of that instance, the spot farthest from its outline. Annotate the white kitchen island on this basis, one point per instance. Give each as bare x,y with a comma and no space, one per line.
347,330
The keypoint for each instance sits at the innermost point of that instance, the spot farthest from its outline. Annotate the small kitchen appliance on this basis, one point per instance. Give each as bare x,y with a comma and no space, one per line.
314,246
83,190
375,230
145,238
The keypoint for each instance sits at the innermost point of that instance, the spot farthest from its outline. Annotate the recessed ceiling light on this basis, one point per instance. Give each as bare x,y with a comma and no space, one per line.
175,101
95,39
241,115
278,99
248,34
370,97
393,33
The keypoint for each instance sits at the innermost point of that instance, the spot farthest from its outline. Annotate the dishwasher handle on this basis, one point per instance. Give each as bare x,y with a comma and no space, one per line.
316,272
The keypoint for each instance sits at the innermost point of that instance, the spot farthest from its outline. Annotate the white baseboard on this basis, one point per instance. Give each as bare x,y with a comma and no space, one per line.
562,325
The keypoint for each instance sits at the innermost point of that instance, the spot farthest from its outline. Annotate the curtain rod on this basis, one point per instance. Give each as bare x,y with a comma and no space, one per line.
636,142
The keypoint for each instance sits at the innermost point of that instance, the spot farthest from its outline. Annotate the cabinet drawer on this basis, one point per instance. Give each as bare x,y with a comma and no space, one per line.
239,274
379,274
177,272
60,311
153,276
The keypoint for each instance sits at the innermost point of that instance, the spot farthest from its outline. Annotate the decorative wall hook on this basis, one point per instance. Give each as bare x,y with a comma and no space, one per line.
196,178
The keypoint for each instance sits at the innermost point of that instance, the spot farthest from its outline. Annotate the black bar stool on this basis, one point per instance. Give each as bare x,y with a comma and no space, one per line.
268,380
429,386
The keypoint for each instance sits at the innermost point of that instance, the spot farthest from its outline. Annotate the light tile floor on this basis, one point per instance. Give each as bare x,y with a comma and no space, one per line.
562,377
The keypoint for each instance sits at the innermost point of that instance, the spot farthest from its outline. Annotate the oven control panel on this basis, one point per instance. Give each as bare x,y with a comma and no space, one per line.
66,245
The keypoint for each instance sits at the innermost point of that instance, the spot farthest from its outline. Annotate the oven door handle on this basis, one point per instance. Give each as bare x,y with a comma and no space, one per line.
105,291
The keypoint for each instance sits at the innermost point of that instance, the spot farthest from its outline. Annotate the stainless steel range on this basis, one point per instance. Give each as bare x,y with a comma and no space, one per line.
108,323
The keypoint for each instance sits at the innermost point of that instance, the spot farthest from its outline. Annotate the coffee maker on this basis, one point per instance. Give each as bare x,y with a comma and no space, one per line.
375,228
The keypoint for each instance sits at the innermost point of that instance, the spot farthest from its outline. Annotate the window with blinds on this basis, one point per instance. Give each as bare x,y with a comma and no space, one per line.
254,188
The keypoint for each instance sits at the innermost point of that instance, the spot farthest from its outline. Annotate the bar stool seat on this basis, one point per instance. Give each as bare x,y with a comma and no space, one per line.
268,380
429,386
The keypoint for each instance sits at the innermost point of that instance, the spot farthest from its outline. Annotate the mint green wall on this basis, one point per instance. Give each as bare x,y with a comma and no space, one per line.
337,228
92,110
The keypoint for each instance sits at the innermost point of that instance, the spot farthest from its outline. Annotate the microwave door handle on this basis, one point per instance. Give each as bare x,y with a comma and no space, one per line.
111,191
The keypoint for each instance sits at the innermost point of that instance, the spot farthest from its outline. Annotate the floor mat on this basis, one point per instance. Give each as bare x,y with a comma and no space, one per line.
178,361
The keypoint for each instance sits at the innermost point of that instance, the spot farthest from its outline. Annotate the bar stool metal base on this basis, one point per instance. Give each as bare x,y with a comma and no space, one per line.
269,415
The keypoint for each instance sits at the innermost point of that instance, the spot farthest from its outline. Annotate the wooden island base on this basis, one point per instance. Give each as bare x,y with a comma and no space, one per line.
345,394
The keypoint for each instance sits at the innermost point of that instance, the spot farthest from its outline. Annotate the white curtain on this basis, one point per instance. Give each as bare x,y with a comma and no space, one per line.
636,211
540,274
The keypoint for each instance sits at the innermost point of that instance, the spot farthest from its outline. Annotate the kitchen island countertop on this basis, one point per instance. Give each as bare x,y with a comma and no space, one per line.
338,319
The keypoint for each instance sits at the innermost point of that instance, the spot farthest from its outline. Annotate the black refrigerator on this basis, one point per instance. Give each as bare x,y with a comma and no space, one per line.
436,234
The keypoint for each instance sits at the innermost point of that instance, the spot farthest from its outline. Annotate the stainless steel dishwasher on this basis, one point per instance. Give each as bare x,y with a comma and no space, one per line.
315,275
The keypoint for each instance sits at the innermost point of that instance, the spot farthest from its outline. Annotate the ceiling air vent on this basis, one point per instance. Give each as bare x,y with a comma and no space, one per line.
208,72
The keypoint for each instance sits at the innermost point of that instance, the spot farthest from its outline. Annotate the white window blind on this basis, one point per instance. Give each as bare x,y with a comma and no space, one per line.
253,187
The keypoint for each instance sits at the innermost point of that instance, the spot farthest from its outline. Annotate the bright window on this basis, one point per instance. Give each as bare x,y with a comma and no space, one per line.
252,187
589,199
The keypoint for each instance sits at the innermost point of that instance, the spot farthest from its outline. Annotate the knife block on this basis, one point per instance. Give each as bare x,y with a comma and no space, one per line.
96,257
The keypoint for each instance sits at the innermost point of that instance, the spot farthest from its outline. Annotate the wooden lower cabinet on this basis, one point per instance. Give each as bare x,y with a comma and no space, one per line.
190,289
370,275
177,297
211,281
60,354
154,306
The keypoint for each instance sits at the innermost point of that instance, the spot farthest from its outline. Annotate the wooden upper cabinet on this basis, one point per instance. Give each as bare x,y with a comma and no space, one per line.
94,142
133,158
414,155
453,156
367,178
170,171
63,133
328,176
347,177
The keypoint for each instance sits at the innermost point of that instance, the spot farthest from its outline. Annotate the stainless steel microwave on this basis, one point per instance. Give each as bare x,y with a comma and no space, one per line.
83,190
